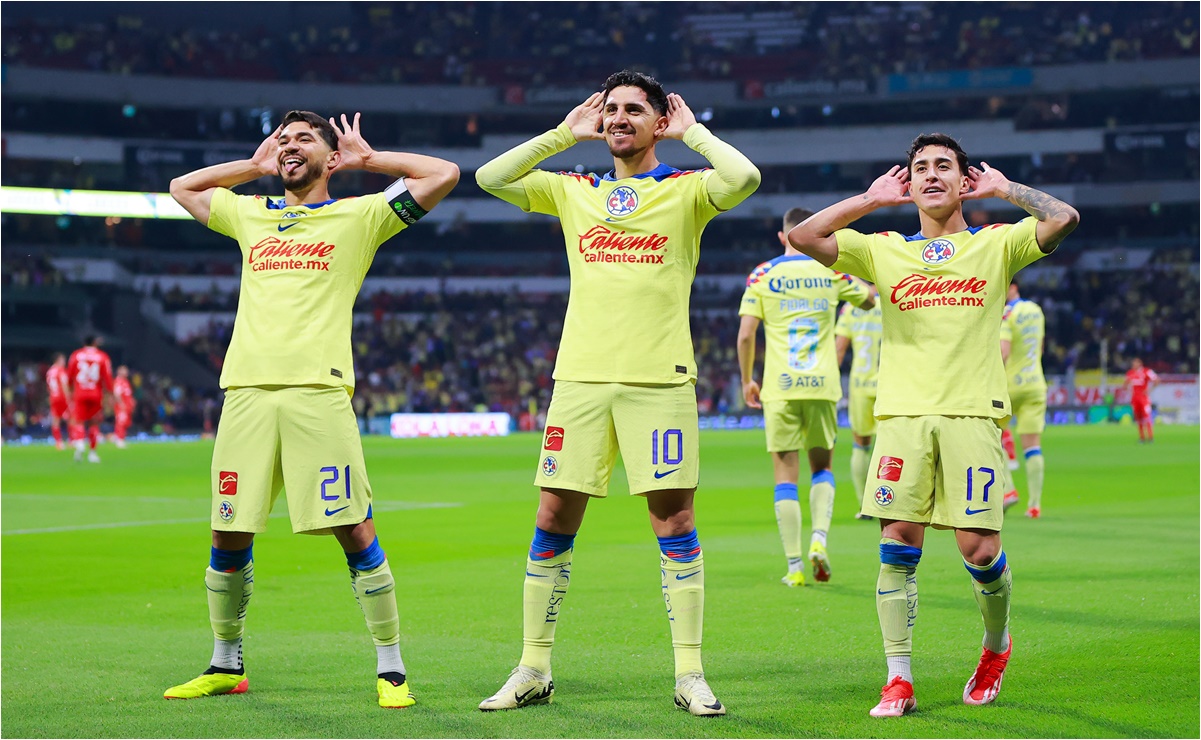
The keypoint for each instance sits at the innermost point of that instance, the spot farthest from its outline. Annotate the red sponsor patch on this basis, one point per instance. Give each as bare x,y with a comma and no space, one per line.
554,439
227,484
890,468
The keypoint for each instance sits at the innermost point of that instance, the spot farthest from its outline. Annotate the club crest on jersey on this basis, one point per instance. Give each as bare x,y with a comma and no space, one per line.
938,251
884,495
550,466
622,201
226,511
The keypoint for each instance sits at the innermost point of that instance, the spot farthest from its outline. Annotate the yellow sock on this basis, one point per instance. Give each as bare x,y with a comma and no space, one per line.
228,595
896,596
788,519
993,584
684,594
861,457
375,590
1035,467
546,583
821,501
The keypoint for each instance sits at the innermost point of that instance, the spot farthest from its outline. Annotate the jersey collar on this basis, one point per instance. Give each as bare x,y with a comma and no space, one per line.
658,174
918,236
280,204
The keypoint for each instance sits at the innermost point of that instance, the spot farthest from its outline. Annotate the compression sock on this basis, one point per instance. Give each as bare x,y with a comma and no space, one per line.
896,603
788,519
375,591
1035,467
821,503
682,565
992,584
861,457
229,580
547,576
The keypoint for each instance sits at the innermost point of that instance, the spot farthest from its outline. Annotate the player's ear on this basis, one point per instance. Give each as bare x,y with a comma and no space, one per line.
661,125
333,160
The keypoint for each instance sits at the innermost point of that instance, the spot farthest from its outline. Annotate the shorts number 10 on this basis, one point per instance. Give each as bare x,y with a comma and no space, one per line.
672,447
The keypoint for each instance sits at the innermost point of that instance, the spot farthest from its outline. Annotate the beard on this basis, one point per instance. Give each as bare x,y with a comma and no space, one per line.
302,178
629,150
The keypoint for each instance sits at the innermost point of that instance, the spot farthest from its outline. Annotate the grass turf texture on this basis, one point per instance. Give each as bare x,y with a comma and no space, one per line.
100,618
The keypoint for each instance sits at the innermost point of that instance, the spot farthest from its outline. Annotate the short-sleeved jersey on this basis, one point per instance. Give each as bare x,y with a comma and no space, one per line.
122,393
797,298
90,372
1024,327
1139,380
56,382
941,300
632,249
865,329
302,267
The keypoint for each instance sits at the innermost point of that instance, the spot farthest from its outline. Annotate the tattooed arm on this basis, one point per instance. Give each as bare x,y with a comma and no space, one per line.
1056,219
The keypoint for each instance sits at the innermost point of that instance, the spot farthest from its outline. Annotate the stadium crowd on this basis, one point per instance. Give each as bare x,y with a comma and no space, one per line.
510,43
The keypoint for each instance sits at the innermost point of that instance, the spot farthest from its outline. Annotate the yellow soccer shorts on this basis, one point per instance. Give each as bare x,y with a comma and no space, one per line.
654,427
304,440
861,410
940,470
800,424
1030,407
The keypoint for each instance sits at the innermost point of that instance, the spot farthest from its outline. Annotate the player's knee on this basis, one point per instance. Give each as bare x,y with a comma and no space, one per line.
988,571
981,551
899,554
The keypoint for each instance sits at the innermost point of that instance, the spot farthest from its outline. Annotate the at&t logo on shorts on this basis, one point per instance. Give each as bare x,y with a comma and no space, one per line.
226,511
937,252
550,466
622,201
884,495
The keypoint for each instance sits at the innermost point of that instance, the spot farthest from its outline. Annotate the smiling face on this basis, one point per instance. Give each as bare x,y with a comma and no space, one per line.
935,180
303,156
630,123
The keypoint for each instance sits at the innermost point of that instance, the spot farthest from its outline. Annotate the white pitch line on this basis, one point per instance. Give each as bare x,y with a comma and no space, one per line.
386,506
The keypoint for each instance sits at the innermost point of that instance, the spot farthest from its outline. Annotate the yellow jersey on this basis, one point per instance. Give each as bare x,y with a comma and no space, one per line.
865,329
941,300
1024,327
302,267
797,298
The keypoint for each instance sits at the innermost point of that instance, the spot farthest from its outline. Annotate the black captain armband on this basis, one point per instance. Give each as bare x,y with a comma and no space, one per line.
401,201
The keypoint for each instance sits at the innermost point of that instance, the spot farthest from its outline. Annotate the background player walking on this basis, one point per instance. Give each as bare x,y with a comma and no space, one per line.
861,331
1139,381
1023,331
123,405
796,299
942,392
58,390
625,374
287,421
90,376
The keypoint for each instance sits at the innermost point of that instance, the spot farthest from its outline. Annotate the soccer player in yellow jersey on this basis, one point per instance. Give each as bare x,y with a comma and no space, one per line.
942,394
287,421
860,330
625,374
1023,331
796,299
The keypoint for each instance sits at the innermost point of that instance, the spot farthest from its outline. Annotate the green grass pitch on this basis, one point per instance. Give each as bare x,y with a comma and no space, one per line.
104,603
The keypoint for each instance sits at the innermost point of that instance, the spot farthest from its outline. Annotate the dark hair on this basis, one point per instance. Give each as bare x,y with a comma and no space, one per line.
649,85
794,217
89,340
924,140
319,124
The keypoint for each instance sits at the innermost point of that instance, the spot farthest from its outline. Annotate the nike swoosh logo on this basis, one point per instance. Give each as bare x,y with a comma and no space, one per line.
885,593
534,575
680,577
990,593
522,697
283,228
664,475
370,591
970,511
335,511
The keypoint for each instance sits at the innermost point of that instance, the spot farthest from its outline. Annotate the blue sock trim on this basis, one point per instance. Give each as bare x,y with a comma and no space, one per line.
547,545
786,492
683,549
902,555
988,575
228,561
368,559
368,511
1033,451
823,476
858,446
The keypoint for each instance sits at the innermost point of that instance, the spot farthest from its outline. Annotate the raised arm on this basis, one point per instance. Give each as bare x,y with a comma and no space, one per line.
428,179
815,235
735,176
502,176
194,191
746,360
1056,219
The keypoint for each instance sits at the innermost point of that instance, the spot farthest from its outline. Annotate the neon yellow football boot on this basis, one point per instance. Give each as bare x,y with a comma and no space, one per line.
209,684
393,695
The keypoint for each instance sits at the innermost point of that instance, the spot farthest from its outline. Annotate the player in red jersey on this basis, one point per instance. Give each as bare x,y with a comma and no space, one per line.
123,404
90,374
59,391
1140,380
